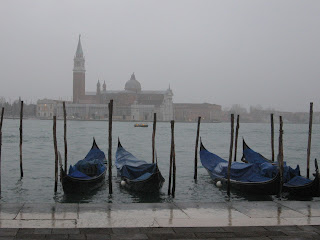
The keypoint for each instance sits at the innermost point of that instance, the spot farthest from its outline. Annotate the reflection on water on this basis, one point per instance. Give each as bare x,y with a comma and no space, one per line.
38,158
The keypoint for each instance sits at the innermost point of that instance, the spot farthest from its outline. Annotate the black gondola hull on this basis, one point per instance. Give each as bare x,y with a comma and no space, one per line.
311,189
152,184
270,187
82,186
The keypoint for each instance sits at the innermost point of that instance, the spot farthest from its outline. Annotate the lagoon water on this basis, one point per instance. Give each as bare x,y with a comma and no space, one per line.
37,184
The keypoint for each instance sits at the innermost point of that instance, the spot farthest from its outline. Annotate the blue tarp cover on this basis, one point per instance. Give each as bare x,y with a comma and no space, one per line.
242,172
92,165
254,157
132,168
297,181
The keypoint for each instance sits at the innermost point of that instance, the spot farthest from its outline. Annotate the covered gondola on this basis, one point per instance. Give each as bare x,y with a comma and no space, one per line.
246,178
137,175
87,174
294,184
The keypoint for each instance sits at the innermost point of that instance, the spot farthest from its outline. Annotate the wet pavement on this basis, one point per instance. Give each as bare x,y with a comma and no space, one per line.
236,220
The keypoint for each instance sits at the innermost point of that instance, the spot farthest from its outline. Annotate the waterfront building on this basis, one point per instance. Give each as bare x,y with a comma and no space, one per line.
130,104
189,112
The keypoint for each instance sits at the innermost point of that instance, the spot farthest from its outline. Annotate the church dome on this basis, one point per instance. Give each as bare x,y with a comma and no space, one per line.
133,84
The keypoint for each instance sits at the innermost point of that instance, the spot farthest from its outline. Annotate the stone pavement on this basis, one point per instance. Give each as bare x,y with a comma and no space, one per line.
218,233
224,220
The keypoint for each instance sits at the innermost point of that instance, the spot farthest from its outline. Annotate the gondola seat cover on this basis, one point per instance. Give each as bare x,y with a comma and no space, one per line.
297,181
253,157
239,171
132,168
92,165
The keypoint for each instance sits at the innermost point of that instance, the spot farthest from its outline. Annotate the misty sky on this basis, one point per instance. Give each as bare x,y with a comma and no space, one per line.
223,52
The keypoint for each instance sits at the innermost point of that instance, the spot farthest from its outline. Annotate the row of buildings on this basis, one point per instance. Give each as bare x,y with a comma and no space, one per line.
130,104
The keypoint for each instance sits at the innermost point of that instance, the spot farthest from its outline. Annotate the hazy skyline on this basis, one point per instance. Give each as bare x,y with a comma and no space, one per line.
223,52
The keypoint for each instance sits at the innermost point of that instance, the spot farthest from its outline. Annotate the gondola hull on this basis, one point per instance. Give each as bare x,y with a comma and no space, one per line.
82,186
245,178
311,189
259,188
152,184
137,175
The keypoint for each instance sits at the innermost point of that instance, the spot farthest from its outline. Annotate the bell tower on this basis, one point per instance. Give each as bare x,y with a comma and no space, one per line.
79,74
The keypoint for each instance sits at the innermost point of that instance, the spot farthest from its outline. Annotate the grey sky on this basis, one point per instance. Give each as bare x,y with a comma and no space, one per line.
223,52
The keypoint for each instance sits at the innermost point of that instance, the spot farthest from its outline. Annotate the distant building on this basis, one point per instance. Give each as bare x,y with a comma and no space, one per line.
189,112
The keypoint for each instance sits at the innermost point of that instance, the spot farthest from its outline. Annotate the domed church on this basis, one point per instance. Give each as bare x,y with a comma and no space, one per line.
132,103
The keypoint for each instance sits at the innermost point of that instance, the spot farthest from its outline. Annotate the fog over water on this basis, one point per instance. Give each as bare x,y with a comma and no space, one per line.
224,52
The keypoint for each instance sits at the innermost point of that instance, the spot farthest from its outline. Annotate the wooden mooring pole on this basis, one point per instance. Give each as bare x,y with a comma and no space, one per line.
173,163
55,153
65,137
110,105
230,154
20,147
236,140
309,139
196,151
272,137
153,136
171,157
1,121
280,155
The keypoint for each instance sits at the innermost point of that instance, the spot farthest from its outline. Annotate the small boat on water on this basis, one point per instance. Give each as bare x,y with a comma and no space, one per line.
246,178
294,183
141,125
137,175
87,174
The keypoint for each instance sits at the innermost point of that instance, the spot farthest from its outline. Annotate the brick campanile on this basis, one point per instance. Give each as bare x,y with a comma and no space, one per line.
79,75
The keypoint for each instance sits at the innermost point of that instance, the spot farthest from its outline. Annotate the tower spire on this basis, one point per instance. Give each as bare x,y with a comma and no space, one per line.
79,52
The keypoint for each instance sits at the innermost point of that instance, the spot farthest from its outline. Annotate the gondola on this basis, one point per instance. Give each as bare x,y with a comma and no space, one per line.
244,177
137,175
294,184
87,174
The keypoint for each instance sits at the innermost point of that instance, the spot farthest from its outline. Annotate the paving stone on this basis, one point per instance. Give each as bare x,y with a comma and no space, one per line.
243,238
98,236
171,236
289,238
274,233
197,239
96,230
6,238
249,234
7,232
215,235
77,237
281,228
157,230
57,236
65,231
25,231
198,229
30,236
310,228
136,236
125,230
244,229
43,231
302,234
